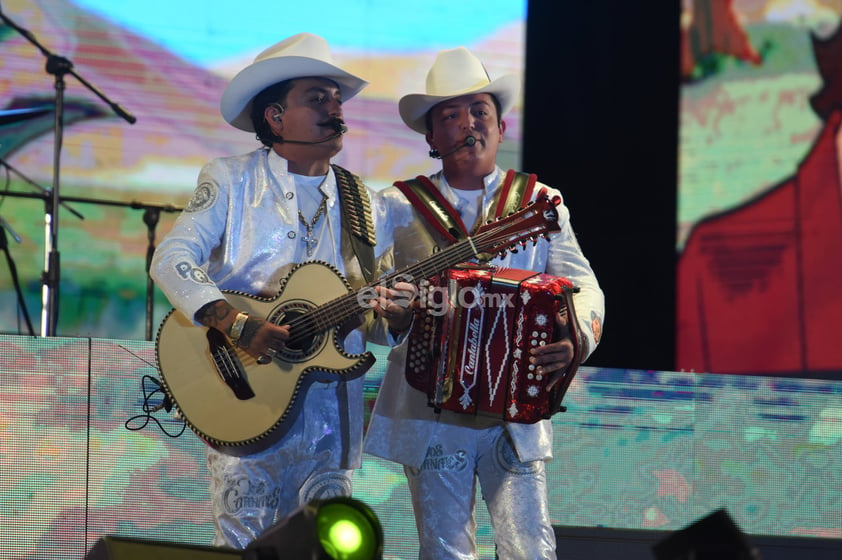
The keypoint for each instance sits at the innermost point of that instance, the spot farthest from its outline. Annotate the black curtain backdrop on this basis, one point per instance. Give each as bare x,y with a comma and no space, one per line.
601,124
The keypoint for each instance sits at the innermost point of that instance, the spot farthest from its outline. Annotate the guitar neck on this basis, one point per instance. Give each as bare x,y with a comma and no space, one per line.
339,310
494,238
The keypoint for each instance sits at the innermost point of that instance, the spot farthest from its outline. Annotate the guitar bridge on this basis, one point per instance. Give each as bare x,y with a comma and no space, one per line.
228,365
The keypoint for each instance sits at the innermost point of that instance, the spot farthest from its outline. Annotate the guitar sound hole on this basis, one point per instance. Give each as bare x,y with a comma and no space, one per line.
305,338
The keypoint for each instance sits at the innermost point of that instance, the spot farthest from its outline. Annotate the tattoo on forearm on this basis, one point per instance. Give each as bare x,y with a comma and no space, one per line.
214,313
251,327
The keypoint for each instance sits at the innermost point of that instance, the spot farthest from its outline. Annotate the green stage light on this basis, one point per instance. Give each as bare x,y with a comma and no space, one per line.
348,530
333,529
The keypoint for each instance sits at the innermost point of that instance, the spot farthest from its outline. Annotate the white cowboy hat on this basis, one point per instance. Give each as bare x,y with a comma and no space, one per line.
300,56
456,72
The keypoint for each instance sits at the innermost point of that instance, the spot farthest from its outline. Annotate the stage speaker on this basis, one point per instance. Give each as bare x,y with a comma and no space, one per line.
713,537
121,548
605,543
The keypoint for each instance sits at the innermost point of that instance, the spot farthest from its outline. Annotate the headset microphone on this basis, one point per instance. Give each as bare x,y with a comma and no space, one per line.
469,141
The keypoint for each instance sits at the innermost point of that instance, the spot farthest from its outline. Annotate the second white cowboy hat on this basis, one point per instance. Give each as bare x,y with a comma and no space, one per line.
300,56
456,72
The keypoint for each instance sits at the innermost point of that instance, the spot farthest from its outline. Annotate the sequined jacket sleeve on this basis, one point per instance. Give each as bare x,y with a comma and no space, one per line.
236,233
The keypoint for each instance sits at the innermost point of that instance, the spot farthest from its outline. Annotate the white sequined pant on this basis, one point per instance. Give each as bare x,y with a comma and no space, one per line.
250,494
443,494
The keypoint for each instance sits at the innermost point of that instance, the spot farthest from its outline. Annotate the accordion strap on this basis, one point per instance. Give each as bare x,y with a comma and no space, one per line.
444,218
433,207
517,189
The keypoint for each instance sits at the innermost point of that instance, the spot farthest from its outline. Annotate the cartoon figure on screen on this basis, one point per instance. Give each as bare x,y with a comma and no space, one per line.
775,260
445,453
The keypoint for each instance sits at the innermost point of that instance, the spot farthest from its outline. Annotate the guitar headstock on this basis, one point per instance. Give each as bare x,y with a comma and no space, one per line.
538,219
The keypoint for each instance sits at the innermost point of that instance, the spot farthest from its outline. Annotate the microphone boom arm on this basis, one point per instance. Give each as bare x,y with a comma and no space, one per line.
467,143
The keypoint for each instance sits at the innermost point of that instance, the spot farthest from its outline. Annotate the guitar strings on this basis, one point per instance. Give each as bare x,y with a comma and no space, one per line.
322,318
319,320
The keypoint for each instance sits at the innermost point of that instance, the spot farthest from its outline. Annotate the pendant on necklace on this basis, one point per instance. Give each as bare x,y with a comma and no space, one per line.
310,239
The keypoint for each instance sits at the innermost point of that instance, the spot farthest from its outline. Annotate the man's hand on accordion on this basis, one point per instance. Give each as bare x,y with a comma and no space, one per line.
554,358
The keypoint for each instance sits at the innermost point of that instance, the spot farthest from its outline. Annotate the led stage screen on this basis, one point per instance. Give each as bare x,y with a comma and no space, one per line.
166,64
645,450
760,194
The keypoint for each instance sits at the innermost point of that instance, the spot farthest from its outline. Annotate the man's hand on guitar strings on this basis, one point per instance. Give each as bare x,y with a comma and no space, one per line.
263,339
554,358
395,304
258,337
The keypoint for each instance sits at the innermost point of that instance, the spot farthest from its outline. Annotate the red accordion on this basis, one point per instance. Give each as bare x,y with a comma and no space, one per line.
469,347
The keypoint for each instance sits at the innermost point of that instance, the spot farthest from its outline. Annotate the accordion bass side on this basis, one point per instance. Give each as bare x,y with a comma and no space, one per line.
468,350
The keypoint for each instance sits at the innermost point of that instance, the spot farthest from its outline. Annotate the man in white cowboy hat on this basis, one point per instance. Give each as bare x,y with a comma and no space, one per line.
444,453
250,219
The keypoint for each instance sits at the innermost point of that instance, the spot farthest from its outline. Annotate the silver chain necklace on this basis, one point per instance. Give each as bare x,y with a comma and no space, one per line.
310,239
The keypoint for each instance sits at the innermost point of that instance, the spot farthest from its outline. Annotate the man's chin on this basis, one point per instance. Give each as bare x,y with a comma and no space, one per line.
476,165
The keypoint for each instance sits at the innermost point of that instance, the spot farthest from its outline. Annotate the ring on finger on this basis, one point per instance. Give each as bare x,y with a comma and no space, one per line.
271,352
263,359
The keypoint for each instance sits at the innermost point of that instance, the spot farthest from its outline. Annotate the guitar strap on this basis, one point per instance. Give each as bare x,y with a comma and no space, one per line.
517,189
357,222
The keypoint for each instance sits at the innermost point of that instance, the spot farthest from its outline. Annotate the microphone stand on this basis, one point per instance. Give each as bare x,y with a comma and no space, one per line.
4,245
59,67
151,215
150,218
45,192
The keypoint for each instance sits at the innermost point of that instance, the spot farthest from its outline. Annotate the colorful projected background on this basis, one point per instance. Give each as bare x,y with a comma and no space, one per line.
636,449
760,195
166,63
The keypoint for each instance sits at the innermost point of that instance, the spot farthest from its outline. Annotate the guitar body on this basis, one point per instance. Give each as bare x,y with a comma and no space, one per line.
197,364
